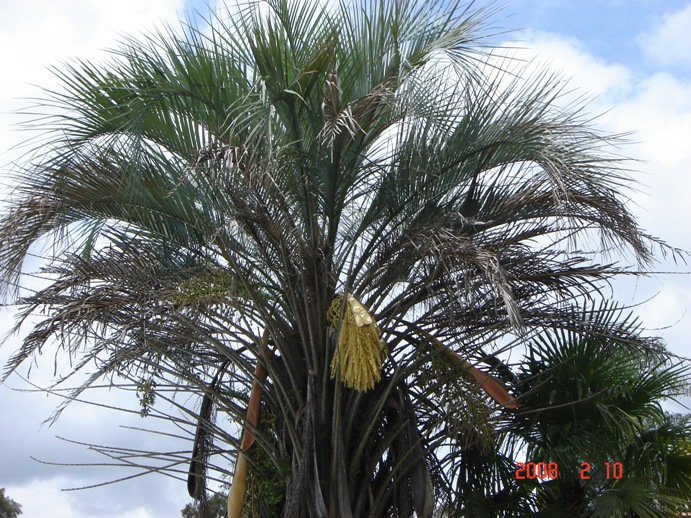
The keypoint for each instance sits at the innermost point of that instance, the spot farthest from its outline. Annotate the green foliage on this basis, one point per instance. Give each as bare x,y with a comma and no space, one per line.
268,472
266,485
146,392
216,508
8,507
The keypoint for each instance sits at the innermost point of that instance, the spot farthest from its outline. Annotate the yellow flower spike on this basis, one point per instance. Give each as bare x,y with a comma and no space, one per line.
359,350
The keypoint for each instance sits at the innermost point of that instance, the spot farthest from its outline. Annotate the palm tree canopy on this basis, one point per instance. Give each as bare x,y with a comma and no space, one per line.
206,185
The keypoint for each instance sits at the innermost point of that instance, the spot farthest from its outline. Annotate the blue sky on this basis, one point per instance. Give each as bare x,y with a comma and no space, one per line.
632,57
608,29
613,30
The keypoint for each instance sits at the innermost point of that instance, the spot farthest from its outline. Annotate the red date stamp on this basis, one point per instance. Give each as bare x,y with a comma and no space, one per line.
550,470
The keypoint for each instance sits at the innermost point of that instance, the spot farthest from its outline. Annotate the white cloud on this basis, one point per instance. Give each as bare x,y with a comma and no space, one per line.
43,499
606,82
667,308
40,31
659,112
669,42
24,472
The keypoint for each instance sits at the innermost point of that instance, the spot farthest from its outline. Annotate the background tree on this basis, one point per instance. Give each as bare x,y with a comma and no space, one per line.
593,406
216,508
363,204
8,507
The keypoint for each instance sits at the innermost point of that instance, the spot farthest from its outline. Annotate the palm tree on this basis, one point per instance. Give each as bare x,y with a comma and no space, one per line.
591,405
356,203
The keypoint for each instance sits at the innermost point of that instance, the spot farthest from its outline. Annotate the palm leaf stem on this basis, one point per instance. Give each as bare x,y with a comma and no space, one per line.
238,488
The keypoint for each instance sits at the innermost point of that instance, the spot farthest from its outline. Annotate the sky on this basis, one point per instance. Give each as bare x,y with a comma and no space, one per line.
632,58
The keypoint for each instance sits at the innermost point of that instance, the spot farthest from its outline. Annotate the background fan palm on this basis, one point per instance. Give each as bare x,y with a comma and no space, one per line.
210,194
596,400
589,396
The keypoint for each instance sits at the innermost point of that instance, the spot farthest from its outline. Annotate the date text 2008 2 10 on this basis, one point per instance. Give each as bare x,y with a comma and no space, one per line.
550,470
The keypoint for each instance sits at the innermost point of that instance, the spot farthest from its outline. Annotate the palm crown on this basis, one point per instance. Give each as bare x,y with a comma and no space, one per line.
251,194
